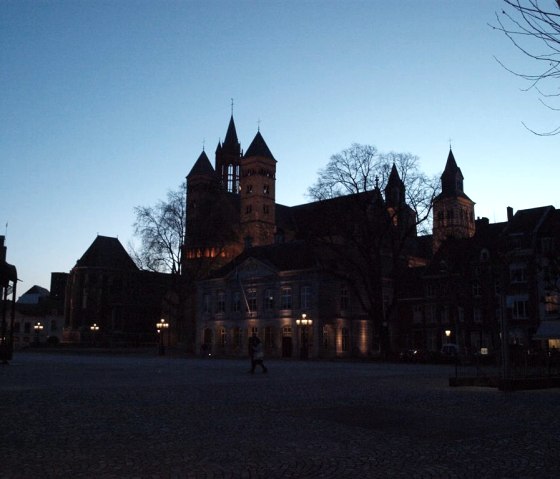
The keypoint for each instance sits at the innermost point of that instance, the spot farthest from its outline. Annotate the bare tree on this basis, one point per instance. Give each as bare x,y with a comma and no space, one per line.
161,231
533,26
366,240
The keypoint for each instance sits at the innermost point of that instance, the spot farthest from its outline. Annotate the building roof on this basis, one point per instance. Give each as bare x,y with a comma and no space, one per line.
231,134
258,147
296,255
528,221
107,252
202,167
33,295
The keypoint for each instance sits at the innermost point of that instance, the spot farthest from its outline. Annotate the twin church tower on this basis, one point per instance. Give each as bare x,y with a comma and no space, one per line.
233,204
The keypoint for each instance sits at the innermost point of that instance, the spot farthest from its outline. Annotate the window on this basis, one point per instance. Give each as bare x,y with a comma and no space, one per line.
417,313
266,189
305,297
345,340
551,302
344,300
230,178
236,338
431,313
497,287
520,308
236,302
220,301
206,303
223,337
248,209
476,289
268,338
286,298
518,273
477,315
249,188
269,299
326,338
431,290
252,300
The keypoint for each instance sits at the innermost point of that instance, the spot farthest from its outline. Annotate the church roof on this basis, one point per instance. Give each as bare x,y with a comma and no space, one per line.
202,167
258,147
107,252
231,134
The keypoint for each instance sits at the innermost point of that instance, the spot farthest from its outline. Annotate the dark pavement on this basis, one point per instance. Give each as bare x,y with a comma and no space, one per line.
125,416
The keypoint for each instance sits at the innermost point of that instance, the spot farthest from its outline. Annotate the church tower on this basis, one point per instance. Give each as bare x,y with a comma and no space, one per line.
202,185
228,155
257,193
402,215
453,209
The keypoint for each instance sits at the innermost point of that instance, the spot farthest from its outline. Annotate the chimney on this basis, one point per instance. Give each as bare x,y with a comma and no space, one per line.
509,213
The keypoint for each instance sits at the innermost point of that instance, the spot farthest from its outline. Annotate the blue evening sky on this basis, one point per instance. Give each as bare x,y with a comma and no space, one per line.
106,105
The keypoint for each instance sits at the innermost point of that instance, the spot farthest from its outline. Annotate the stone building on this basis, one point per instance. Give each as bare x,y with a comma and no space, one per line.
260,266
106,289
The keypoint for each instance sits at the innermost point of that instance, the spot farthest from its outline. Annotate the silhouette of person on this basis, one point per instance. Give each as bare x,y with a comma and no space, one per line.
256,354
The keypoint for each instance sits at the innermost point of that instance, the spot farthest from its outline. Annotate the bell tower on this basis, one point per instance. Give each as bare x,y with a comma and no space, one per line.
453,209
228,156
257,193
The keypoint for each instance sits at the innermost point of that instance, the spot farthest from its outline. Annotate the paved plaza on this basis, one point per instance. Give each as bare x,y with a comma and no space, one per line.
144,416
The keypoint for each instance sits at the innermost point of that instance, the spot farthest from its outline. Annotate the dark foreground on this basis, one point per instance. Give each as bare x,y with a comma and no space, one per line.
79,416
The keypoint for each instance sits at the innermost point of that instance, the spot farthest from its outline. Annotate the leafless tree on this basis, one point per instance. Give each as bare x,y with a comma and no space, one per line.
161,230
533,26
366,240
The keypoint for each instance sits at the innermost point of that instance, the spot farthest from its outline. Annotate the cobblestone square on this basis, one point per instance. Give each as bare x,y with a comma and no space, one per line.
144,416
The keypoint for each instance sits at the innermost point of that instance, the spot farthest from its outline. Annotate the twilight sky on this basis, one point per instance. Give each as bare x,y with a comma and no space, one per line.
106,105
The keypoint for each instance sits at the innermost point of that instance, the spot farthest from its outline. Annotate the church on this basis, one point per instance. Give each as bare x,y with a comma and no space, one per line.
312,280
349,276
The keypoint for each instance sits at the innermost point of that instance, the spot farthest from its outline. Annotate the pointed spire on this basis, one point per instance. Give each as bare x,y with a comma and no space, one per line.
231,134
452,177
202,167
394,191
258,147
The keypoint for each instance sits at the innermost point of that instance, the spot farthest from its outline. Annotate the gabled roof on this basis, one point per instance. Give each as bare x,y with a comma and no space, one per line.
258,147
528,221
106,252
202,167
280,257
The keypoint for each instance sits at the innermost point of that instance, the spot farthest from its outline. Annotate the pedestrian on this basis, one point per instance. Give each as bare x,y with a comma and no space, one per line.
256,354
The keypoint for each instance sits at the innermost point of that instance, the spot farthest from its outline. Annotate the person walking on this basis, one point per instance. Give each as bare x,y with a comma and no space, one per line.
256,354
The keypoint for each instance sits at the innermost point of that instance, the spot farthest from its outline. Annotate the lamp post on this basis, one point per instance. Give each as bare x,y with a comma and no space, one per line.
94,329
38,327
455,353
161,326
304,322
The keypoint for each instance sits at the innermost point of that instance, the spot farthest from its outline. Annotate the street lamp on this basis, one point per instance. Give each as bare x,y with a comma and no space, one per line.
38,327
94,328
161,326
304,322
